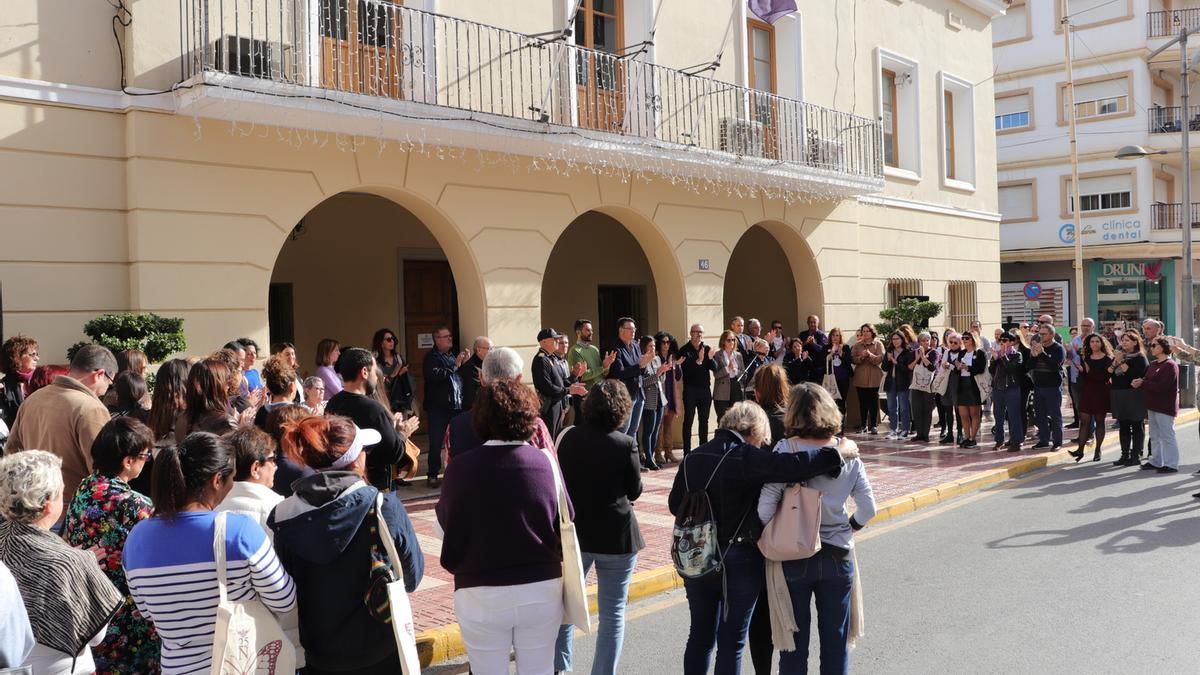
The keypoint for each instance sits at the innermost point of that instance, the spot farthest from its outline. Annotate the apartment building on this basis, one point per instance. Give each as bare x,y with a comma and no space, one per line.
1130,209
300,169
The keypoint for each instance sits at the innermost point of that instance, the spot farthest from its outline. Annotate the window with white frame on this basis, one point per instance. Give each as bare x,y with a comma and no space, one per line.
898,109
958,132
1104,192
1014,111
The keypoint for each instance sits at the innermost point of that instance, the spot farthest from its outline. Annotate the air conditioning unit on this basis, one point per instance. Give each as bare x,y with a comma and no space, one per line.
741,137
251,57
825,153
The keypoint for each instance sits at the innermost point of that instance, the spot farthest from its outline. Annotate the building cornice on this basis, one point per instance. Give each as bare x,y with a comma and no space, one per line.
1149,249
1139,52
928,207
992,9
79,96
1053,161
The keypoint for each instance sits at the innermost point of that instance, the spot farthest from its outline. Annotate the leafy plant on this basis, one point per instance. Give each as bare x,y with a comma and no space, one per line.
911,311
157,336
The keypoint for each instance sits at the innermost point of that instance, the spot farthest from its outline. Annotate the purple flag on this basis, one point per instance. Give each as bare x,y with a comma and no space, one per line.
772,10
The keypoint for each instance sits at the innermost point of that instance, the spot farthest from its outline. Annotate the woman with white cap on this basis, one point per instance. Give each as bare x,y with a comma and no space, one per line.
327,536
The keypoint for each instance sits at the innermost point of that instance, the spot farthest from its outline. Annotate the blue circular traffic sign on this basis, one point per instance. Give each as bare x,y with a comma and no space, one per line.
1032,290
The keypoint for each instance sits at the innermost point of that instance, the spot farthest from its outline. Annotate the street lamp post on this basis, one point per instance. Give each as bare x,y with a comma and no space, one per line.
1187,321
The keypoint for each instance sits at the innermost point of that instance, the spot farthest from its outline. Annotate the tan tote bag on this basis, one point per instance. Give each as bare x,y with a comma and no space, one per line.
402,618
575,605
794,532
247,639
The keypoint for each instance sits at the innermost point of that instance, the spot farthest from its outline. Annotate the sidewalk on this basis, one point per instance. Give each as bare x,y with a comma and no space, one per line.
902,475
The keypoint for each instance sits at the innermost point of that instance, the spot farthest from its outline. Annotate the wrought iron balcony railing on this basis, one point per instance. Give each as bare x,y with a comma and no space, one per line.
1170,216
388,51
1170,22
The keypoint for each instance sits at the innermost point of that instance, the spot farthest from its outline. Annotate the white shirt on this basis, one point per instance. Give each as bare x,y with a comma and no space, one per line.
49,661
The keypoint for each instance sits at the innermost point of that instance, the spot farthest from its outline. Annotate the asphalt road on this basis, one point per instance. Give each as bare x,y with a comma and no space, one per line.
1086,568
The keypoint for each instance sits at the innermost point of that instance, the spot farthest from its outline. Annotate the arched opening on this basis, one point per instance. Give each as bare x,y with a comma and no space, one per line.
358,262
602,268
772,276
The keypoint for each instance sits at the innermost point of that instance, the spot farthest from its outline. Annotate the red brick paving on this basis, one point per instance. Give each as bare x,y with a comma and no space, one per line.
894,468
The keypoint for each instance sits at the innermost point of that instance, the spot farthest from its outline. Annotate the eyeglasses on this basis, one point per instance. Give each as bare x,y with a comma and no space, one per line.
390,338
33,354
697,332
144,455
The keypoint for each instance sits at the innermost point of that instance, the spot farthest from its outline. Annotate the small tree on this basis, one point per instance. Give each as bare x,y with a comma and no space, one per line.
908,311
157,336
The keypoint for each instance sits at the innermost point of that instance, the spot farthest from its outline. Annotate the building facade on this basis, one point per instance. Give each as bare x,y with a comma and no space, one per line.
300,169
1130,209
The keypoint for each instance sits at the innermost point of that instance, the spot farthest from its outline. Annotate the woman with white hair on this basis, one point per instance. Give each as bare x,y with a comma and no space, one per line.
812,420
67,596
732,469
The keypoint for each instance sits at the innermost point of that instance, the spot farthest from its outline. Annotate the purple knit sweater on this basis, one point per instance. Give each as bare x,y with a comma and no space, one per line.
1161,387
499,510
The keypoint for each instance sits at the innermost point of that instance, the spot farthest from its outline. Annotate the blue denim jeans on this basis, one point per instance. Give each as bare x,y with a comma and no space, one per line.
711,623
635,416
827,577
1047,411
899,411
1006,406
649,433
613,572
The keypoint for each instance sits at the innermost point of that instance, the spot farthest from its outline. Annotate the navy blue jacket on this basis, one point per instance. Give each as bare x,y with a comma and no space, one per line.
324,542
626,368
443,388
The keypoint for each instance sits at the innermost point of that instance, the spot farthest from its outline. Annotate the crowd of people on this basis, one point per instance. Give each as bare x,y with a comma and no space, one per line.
117,495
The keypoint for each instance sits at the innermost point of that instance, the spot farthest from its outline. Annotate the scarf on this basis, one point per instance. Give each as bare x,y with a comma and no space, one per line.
68,597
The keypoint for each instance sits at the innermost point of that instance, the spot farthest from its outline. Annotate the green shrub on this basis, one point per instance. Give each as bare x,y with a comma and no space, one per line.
157,336
909,311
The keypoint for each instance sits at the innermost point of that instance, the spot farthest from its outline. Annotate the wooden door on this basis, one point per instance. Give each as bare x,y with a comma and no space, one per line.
430,301
361,47
600,78
614,302
764,109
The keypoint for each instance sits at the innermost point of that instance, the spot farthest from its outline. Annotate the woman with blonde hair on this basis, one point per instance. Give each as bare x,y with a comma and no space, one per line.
812,422
727,388
867,355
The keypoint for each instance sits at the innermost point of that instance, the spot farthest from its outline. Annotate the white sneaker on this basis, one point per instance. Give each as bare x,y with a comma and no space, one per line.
892,436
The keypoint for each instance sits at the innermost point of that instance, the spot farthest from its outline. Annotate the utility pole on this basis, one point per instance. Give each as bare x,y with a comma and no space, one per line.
1076,216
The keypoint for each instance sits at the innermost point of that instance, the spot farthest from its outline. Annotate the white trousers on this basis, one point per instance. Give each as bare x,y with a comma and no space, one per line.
496,620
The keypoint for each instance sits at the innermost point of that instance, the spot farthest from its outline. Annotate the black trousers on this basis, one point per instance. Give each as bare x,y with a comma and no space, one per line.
868,406
921,405
1133,437
695,401
946,413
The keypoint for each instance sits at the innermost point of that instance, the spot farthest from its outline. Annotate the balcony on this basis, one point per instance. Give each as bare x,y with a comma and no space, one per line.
1169,120
1168,23
1170,216
412,74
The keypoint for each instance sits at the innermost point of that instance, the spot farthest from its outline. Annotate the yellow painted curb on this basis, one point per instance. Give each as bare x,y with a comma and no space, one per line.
445,642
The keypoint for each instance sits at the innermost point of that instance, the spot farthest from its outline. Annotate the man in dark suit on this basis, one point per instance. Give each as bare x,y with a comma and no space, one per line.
698,367
469,373
816,346
553,382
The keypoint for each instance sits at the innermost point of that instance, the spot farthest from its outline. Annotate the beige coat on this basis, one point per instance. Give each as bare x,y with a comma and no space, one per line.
63,419
866,358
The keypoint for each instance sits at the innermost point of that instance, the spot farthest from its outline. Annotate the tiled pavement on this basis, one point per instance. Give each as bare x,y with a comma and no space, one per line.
894,468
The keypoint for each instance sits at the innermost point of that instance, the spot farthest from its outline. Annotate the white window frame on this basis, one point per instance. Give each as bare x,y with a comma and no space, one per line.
908,105
964,131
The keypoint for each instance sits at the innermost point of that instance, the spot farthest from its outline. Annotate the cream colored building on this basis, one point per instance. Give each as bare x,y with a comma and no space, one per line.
323,168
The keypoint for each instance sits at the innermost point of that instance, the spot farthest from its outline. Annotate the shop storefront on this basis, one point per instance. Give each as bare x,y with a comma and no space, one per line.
1123,293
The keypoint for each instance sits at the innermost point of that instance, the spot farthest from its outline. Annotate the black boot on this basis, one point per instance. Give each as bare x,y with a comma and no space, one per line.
1124,459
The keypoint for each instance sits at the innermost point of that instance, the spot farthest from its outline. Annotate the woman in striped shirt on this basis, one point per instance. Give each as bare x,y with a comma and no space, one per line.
169,558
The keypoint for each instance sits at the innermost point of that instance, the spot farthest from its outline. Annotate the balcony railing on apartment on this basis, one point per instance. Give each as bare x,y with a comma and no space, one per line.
1170,216
1170,119
1169,22
388,51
